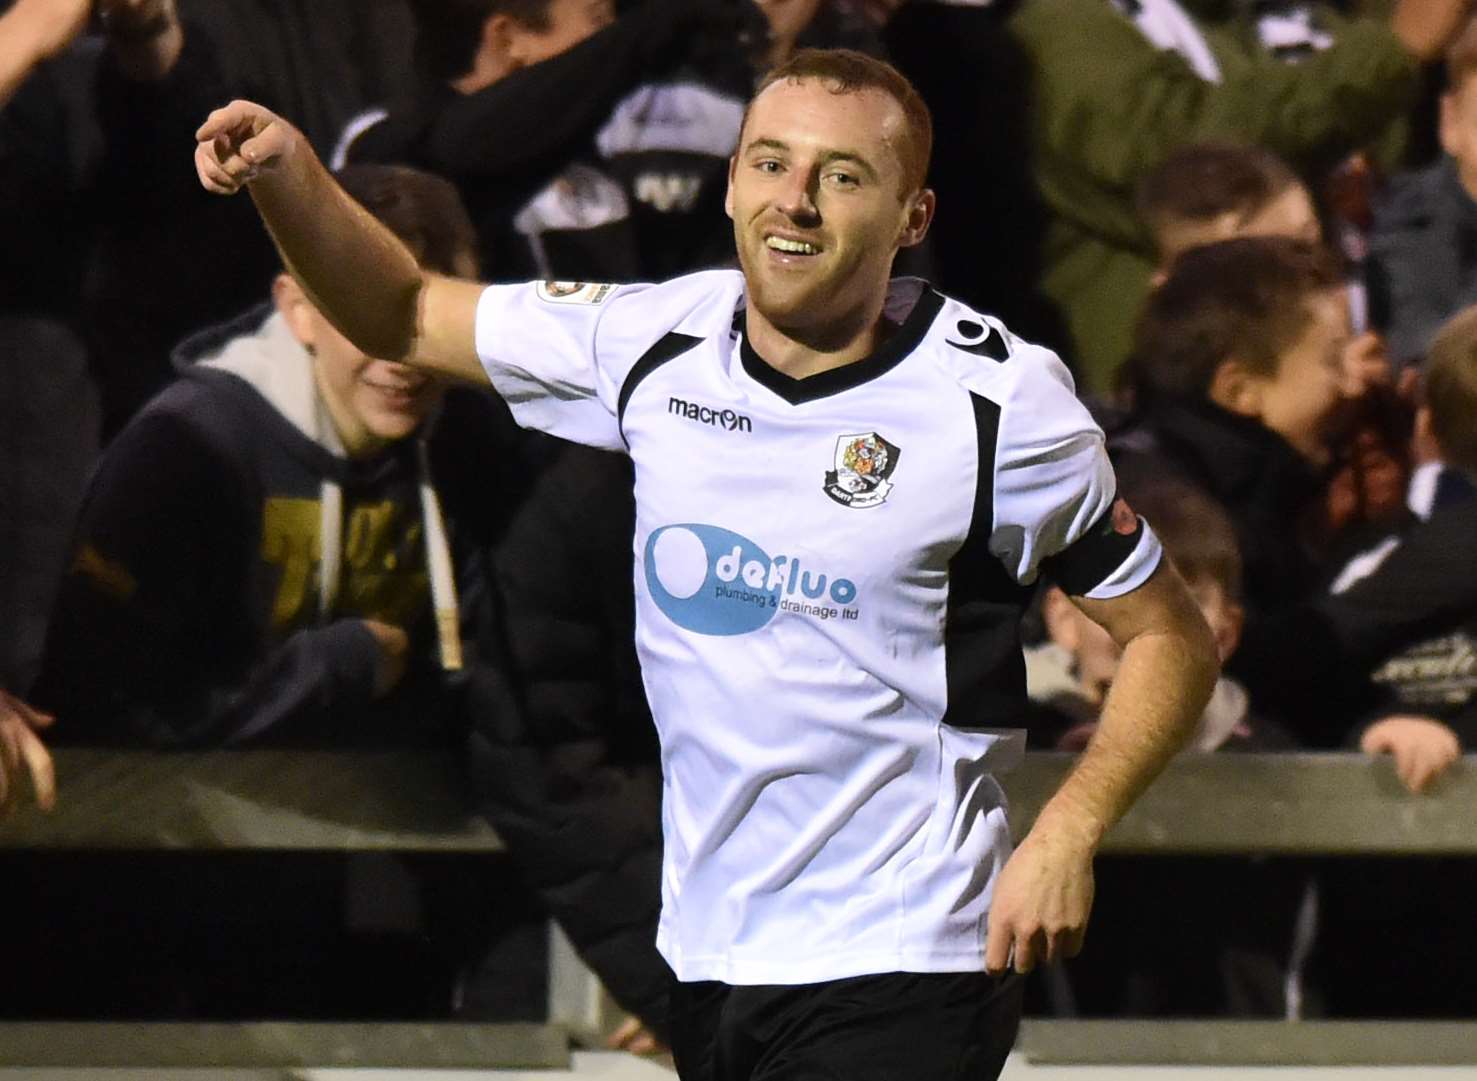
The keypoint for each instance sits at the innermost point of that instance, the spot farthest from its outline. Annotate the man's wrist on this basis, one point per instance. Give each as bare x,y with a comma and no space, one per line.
1068,824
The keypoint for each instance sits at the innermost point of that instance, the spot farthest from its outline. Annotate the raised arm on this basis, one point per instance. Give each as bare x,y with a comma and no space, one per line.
356,271
1041,903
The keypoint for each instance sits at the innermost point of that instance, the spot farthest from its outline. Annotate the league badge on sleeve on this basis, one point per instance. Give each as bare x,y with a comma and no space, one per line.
864,462
574,292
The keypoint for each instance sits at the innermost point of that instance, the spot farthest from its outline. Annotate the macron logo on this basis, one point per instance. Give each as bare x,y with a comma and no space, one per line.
726,419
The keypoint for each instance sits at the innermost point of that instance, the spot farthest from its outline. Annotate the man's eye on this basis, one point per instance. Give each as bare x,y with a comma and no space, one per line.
768,165
844,180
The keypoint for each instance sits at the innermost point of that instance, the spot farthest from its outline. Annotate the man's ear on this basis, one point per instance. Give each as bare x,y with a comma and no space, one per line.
920,215
295,308
728,194
1237,389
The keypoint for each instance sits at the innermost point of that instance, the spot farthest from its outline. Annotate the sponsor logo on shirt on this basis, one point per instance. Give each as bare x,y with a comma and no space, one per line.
714,581
726,419
574,292
864,462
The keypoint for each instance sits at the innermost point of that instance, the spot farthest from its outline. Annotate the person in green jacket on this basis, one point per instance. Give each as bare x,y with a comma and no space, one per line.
1116,85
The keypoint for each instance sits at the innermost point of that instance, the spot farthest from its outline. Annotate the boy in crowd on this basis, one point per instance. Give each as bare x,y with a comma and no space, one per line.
263,552
1242,389
1422,256
1241,965
1205,193
1068,677
1209,192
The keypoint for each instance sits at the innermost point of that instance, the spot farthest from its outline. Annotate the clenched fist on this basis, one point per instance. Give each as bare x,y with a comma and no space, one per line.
239,142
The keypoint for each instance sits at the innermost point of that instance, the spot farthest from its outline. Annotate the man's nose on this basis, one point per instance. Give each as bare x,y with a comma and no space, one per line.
797,199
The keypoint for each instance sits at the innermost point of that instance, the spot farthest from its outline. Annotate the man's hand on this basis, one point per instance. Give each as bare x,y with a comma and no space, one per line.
635,1037
21,748
1423,748
394,646
1038,914
239,142
1427,27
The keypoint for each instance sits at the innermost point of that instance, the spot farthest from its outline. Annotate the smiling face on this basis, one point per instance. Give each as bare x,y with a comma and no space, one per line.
820,205
371,402
1301,401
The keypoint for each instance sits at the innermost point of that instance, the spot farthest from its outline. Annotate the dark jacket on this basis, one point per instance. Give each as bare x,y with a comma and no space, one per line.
572,780
1422,266
191,613
1399,638
1266,487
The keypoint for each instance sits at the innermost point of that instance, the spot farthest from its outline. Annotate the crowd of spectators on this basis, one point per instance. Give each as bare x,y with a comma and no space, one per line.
1248,229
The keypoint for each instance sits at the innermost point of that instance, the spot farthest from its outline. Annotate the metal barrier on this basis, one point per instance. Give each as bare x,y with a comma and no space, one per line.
1311,804
1326,804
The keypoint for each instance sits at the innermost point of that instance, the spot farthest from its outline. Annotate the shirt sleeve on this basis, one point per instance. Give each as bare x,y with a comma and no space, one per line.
558,353
1055,496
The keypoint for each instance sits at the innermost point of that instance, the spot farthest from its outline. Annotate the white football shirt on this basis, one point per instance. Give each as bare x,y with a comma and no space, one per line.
829,575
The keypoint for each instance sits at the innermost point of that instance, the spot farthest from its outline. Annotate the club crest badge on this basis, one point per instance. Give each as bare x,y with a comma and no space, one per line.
863,463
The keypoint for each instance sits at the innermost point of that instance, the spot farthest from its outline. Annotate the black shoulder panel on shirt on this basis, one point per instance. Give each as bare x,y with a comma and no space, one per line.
667,347
1082,565
984,672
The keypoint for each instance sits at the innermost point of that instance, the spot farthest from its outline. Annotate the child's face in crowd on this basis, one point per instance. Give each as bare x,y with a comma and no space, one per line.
1096,655
1459,129
1302,400
372,402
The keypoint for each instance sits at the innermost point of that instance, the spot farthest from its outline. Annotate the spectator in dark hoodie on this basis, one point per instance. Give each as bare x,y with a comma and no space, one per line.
263,552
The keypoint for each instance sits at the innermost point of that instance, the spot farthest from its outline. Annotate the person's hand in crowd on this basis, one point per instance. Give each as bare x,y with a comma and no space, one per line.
787,21
394,646
633,1036
1041,902
21,750
238,142
1427,27
878,12
1423,748
1367,363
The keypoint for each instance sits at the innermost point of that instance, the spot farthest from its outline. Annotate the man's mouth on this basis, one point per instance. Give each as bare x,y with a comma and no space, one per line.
790,246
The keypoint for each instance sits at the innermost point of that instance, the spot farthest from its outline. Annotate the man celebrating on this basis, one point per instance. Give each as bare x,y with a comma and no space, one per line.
845,487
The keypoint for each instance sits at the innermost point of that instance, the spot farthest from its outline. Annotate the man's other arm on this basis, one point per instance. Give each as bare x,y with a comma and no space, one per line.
355,269
1043,897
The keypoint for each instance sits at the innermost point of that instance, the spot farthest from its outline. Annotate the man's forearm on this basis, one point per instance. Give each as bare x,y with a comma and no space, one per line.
21,49
354,269
1161,688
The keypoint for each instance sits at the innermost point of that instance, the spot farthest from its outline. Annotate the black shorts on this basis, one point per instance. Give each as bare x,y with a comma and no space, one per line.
899,1026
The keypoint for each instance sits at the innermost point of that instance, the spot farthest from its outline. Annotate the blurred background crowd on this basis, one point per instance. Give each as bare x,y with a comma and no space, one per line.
1249,227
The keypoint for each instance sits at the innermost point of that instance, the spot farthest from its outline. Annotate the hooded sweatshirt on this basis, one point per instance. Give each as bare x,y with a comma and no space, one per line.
228,554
